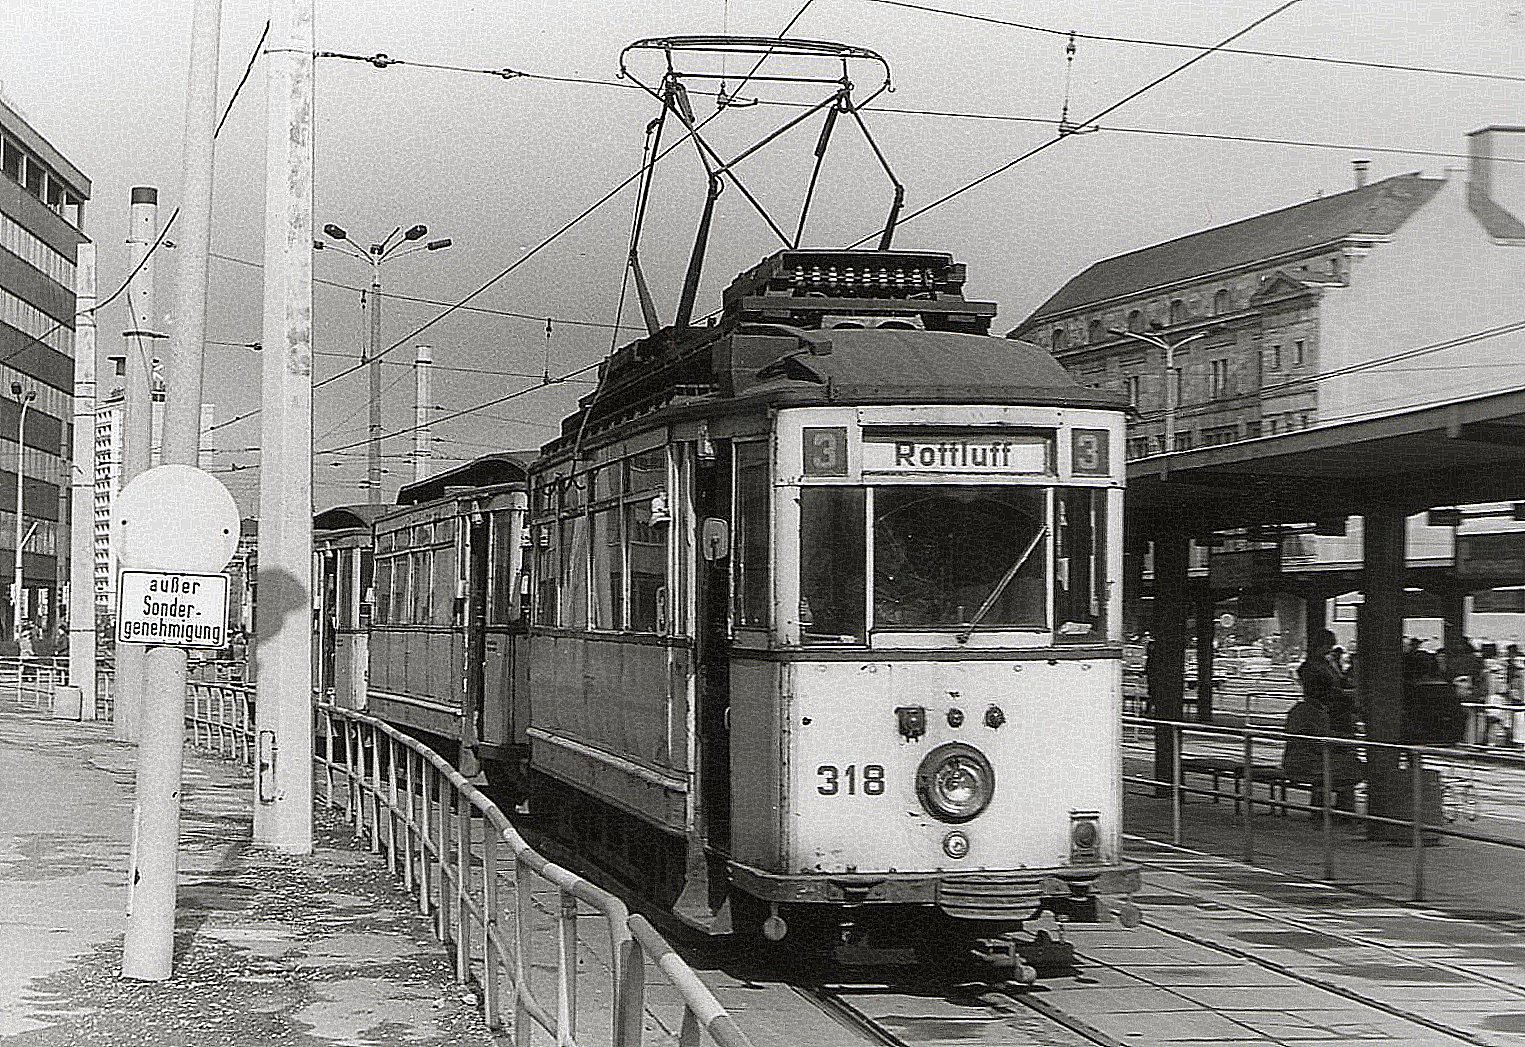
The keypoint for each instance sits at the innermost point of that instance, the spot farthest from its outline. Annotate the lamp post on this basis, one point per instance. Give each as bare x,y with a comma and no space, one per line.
1169,349
394,246
25,400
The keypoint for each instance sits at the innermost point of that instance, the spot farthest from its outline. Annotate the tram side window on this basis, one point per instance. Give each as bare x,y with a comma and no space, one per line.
401,588
442,578
422,586
832,565
608,572
382,594
752,592
501,608
345,588
547,574
1080,565
647,557
574,572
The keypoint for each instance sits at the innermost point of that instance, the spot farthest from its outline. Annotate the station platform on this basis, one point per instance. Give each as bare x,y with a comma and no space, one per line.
270,948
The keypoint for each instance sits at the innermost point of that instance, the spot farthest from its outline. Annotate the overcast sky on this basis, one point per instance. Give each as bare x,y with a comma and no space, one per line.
499,164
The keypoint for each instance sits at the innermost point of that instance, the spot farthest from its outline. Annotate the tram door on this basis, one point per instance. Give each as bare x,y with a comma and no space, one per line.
476,626
328,633
712,647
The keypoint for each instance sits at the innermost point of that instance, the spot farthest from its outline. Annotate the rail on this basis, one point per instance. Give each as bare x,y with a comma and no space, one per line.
452,847
1411,781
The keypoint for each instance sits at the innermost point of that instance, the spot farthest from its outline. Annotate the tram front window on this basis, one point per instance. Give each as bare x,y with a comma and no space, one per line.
832,565
941,553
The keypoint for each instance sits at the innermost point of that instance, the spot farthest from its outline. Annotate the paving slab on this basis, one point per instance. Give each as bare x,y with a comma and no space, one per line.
269,948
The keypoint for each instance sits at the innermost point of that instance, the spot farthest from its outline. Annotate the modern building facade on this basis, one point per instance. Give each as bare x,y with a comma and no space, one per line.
109,414
42,218
1394,294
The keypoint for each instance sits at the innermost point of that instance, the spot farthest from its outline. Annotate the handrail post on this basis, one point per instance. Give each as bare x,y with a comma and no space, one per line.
566,968
1328,795
352,775
425,828
491,974
375,790
1175,787
630,996
409,824
1247,780
442,855
328,756
391,803
462,884
1416,821
523,923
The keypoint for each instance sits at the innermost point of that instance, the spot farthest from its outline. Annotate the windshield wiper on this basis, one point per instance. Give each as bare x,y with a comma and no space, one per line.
995,594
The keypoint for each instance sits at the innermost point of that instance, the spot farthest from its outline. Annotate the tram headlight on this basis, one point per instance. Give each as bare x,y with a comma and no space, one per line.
955,782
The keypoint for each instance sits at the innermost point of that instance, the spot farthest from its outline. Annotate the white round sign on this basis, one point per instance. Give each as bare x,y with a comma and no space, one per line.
1226,620
174,518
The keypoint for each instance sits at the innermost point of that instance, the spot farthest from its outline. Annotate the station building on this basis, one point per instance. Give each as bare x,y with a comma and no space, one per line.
1391,294
42,220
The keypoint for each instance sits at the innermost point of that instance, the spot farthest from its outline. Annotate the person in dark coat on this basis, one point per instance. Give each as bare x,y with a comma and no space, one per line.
1326,711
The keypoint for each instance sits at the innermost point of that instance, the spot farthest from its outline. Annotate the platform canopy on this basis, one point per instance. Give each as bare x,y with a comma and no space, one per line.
1459,452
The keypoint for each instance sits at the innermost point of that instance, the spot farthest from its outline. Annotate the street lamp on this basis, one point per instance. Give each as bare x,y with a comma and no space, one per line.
1169,349
24,398
394,246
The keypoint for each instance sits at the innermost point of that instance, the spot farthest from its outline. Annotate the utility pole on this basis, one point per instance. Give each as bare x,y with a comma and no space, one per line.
283,626
148,948
82,490
137,422
24,399
375,255
423,399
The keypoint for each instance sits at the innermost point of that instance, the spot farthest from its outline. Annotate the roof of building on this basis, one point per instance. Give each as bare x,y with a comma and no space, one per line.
874,364
16,125
1377,209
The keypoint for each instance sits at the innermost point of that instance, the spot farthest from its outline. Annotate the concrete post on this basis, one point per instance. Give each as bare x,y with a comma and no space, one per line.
1453,613
137,421
1379,662
1167,657
82,490
283,712
148,948
423,401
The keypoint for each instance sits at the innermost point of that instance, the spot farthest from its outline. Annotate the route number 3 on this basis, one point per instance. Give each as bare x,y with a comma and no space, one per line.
848,780
1088,452
825,450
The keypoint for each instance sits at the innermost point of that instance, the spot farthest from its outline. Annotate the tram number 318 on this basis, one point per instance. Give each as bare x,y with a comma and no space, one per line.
848,780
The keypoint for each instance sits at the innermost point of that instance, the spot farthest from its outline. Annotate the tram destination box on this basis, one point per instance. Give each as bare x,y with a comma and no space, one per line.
172,609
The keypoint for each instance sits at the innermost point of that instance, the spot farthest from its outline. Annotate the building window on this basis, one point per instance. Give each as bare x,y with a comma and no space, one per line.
10,159
1095,332
1177,311
1057,339
1221,302
1135,321
1138,447
1297,353
1183,441
34,177
1302,419
1275,364
1218,379
1251,430
1131,386
1219,434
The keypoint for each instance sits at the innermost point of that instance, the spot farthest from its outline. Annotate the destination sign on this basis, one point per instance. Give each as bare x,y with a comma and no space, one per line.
976,452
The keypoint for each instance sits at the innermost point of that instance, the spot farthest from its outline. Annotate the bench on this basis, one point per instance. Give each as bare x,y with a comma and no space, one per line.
1219,767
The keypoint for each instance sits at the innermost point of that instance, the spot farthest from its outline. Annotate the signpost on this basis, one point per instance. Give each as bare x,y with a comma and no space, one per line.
173,528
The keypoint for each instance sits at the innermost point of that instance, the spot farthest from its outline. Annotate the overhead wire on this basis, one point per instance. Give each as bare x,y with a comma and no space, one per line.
1113,107
1361,63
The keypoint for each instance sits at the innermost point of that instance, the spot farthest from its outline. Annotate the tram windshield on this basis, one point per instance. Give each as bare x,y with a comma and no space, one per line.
959,558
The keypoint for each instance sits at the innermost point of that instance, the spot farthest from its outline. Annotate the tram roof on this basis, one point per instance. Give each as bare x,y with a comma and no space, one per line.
347,517
879,364
490,470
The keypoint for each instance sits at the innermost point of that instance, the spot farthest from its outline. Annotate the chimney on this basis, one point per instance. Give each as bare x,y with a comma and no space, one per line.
1497,168
1362,167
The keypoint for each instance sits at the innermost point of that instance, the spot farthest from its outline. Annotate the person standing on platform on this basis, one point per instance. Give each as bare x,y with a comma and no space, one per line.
1325,711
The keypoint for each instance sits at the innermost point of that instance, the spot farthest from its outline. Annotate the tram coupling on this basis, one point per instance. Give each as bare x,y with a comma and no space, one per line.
1018,957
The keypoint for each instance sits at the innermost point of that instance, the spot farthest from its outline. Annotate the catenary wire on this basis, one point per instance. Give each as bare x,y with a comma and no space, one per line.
1111,108
1404,67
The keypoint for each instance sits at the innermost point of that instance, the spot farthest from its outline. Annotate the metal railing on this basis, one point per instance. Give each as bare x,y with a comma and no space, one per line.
454,849
30,683
220,718
1415,785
